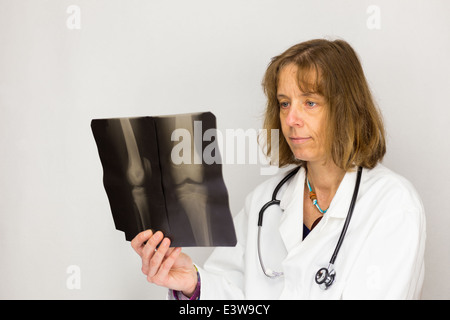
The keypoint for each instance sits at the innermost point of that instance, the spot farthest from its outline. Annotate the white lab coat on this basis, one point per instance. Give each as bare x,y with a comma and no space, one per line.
382,256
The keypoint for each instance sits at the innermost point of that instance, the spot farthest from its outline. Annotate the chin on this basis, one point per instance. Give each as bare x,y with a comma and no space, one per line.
304,157
307,154
300,153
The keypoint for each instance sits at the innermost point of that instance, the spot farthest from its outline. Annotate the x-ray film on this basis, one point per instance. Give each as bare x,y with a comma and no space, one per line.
156,176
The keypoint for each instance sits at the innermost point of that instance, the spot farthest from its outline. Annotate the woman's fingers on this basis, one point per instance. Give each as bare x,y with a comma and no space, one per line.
161,278
149,250
138,243
163,265
168,263
157,258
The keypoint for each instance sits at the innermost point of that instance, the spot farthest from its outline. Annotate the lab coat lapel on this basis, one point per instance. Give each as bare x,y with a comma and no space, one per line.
291,202
291,224
341,201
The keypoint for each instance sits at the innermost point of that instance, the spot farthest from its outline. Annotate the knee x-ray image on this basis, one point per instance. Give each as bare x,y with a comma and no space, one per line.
156,177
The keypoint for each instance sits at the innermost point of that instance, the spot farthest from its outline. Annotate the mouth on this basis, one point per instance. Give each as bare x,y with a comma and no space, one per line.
299,140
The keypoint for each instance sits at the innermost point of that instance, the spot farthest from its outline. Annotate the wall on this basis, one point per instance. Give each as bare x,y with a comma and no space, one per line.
63,63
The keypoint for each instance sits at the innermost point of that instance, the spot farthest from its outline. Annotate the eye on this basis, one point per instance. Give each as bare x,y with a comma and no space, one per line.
311,104
284,105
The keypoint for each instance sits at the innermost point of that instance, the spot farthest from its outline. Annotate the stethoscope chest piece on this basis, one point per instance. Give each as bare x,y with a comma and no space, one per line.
325,277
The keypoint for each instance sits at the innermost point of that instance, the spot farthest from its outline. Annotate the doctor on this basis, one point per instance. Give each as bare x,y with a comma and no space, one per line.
319,98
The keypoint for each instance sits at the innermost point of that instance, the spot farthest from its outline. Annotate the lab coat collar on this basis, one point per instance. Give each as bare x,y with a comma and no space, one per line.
293,190
341,201
291,202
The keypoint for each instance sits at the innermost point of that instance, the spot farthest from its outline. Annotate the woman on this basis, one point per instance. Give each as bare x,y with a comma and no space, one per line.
319,98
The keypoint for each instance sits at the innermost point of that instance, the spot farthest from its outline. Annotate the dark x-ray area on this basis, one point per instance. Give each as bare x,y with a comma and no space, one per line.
146,189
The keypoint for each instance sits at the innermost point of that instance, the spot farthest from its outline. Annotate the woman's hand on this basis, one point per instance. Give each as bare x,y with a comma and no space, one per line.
165,266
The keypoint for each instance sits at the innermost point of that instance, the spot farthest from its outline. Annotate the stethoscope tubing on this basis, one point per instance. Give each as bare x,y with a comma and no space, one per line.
348,218
274,195
329,272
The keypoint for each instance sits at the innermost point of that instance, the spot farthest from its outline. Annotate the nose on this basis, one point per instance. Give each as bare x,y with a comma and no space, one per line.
294,118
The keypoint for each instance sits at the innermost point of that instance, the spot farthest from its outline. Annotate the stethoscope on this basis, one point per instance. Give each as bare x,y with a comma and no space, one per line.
325,276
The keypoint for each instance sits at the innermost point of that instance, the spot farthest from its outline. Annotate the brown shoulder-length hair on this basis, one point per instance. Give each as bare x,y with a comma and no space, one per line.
355,130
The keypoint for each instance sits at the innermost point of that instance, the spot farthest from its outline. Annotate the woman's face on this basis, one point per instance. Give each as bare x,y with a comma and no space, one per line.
302,116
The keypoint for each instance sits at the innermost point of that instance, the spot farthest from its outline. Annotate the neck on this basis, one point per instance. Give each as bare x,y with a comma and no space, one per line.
325,178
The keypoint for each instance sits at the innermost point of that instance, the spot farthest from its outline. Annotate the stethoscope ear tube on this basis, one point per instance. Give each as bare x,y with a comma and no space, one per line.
261,212
347,219
269,273
274,195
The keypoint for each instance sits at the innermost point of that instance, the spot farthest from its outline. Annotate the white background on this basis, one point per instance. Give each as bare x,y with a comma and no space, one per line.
136,57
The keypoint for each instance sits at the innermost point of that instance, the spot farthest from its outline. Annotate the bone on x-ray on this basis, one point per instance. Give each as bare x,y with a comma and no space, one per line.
155,178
